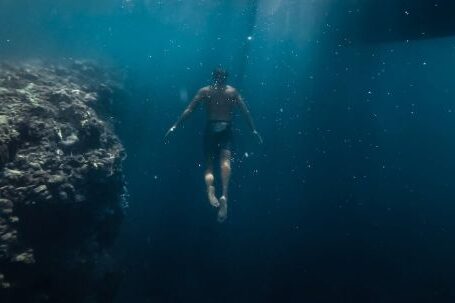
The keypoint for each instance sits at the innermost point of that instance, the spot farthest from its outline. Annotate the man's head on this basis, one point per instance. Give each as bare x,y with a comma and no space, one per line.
220,76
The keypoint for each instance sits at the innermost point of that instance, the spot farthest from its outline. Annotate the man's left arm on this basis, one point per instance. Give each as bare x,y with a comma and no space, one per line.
187,112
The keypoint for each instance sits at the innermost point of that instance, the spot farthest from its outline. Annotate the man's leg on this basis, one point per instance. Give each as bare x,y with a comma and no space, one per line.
209,180
225,164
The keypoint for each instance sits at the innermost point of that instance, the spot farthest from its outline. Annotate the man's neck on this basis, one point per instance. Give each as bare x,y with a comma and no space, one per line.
218,85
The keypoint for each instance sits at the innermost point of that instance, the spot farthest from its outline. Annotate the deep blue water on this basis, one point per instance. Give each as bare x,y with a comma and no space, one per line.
349,199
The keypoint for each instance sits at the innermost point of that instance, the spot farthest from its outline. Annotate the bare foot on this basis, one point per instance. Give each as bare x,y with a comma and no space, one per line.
222,211
212,198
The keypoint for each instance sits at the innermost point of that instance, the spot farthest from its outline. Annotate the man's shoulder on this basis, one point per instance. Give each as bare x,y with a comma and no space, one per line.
204,89
230,90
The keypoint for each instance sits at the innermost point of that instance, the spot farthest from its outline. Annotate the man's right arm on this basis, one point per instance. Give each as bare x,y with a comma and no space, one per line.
246,113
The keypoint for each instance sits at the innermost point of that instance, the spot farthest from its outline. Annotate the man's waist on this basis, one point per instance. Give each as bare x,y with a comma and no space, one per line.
209,121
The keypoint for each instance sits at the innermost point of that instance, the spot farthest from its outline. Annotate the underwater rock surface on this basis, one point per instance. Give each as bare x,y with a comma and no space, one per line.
61,183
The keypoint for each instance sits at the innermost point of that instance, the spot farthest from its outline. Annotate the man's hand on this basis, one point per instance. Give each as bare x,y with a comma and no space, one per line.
171,130
258,136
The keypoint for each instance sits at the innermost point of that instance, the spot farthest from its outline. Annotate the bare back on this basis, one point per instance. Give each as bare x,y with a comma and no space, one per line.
219,102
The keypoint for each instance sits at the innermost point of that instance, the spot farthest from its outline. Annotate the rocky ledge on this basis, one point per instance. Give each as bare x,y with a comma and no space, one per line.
61,183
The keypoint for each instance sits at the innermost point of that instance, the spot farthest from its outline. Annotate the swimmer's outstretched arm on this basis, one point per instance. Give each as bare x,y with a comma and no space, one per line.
246,113
191,107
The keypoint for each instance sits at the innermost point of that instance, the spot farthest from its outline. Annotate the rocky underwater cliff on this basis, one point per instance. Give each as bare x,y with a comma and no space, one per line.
61,183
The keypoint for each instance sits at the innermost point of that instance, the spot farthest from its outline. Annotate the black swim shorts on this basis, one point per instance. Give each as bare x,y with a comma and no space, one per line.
218,136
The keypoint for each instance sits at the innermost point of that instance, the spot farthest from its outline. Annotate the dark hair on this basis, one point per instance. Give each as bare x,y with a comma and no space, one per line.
220,75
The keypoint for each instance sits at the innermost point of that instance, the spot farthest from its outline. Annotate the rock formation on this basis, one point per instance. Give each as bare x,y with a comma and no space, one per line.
61,183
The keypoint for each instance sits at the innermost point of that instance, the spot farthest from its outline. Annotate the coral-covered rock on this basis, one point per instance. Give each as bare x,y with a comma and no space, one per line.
61,183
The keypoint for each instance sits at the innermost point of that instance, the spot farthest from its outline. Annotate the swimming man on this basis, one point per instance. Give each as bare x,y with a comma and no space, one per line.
220,100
